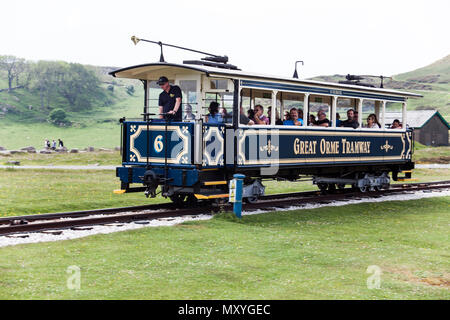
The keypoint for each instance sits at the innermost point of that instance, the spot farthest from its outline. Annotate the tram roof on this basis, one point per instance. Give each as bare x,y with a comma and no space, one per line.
152,71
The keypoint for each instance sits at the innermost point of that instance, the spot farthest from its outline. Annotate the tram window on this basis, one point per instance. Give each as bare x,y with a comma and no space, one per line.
218,84
225,101
254,97
289,101
342,106
370,115
189,102
393,112
319,111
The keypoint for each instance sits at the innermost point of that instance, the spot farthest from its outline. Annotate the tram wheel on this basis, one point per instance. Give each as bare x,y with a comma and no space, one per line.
363,189
341,186
178,198
251,199
331,187
322,186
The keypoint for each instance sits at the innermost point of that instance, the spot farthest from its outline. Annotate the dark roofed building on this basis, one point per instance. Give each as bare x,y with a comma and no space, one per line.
430,128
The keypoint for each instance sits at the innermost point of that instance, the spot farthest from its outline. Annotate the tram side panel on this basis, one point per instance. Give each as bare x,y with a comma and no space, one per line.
155,145
308,148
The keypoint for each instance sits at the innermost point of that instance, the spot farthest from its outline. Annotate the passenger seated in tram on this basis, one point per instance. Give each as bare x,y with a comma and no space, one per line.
351,121
294,120
396,124
372,122
338,120
322,120
214,116
189,115
286,116
250,114
259,117
278,121
243,119
311,120
227,117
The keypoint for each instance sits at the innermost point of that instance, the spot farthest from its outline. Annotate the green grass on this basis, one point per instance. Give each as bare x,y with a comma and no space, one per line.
425,154
101,158
18,135
34,191
306,254
25,192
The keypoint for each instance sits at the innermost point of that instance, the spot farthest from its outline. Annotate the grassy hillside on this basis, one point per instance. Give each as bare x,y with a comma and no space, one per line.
432,81
24,120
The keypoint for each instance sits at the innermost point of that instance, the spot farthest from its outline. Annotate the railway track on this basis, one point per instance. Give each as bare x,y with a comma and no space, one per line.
57,222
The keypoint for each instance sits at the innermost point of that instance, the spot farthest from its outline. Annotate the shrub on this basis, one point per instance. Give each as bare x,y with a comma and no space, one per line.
58,117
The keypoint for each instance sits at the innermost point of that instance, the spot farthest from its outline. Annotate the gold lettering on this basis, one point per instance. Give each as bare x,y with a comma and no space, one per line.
296,147
322,146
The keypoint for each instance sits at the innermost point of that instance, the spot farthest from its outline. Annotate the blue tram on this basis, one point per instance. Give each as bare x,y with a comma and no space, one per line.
194,159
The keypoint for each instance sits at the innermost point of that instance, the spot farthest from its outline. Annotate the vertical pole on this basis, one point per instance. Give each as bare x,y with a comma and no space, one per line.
237,207
333,112
274,107
236,109
201,96
404,115
236,118
360,104
145,100
305,109
377,110
383,111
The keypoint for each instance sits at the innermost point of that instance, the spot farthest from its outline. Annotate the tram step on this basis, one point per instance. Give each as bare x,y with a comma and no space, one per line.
211,196
214,183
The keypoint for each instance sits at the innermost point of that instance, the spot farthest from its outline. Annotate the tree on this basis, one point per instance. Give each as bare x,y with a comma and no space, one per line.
14,67
80,86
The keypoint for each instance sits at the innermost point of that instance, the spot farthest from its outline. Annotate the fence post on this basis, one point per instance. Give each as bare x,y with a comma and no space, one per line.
236,188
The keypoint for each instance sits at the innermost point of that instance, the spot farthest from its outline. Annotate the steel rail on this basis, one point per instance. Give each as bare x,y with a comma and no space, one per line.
66,220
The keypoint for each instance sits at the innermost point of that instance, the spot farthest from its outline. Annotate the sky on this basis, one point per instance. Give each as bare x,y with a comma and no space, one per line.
383,37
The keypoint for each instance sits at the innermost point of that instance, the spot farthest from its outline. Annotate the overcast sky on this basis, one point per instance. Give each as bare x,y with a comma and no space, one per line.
361,37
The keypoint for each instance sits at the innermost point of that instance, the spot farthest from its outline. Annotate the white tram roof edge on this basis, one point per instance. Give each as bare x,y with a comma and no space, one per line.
152,71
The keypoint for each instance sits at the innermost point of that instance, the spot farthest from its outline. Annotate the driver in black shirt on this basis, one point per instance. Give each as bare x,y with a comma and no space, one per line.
169,99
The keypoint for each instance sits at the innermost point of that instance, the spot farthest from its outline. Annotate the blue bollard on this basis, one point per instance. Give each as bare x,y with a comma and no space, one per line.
239,183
